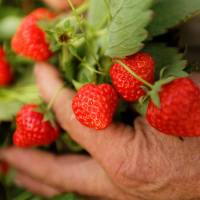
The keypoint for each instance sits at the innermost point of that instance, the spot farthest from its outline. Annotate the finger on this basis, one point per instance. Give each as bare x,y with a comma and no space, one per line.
56,4
73,159
35,186
61,4
97,198
98,143
85,177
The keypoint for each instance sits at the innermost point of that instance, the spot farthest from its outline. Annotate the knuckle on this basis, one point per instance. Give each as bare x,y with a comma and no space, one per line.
136,168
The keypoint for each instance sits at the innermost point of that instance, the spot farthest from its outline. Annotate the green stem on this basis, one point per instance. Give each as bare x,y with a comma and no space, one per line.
54,97
64,56
82,29
134,74
101,32
78,42
108,8
82,8
94,70
75,14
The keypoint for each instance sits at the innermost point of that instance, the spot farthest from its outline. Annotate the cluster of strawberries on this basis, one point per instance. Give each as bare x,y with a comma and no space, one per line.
29,41
95,105
179,110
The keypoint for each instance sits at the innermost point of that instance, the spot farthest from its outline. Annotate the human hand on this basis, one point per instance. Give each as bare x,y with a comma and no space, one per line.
61,4
132,163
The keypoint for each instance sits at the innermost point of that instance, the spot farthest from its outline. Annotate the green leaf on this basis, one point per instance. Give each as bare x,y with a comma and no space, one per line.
36,198
154,93
23,196
155,98
69,196
71,144
12,98
77,85
98,14
86,76
87,72
9,178
168,58
141,107
8,109
170,13
8,26
175,70
10,11
127,28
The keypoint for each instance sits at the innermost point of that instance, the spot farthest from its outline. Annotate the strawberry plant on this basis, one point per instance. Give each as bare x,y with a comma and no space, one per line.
124,58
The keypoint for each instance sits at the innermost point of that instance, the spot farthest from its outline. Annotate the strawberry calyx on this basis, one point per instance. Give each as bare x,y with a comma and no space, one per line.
45,109
154,92
48,115
142,104
77,85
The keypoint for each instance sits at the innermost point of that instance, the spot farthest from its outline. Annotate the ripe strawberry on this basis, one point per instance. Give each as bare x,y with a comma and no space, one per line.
29,40
5,70
94,105
42,13
179,112
128,86
2,53
33,129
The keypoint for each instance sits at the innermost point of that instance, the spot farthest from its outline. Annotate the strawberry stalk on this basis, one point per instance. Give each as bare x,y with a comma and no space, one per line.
54,98
82,8
134,74
45,109
79,20
153,93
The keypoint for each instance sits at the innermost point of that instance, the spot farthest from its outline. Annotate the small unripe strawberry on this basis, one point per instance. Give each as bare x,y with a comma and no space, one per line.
33,129
95,105
30,40
125,83
179,112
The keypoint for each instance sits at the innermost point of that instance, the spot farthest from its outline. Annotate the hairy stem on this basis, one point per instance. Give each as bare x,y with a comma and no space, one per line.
134,74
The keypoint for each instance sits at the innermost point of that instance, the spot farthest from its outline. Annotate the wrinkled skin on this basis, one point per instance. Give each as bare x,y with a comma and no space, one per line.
132,163
125,163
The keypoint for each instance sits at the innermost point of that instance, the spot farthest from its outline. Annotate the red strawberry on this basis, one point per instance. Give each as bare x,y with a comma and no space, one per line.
128,86
5,70
179,112
94,105
2,53
33,129
29,40
43,13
